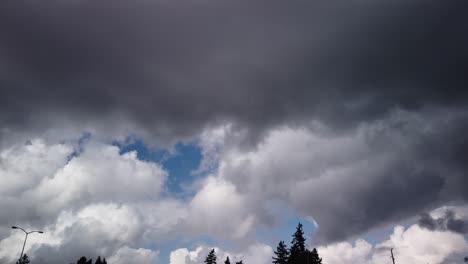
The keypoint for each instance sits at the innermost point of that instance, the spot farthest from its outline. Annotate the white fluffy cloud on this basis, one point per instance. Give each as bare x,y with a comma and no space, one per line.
98,229
40,180
218,209
345,252
24,166
256,253
420,246
414,245
96,202
184,256
100,173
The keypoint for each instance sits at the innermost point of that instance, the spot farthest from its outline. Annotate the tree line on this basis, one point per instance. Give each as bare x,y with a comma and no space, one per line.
83,260
211,258
298,253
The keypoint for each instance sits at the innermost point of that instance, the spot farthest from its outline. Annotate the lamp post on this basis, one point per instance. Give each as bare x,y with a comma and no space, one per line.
27,234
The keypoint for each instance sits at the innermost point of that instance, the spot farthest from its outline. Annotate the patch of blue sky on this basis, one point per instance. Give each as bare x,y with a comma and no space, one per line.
79,145
179,162
181,165
144,152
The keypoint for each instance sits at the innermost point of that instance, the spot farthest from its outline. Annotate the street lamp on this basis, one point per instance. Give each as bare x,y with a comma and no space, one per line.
27,233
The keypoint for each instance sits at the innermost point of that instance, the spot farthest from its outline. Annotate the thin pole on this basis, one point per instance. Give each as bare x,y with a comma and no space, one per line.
24,244
393,259
25,238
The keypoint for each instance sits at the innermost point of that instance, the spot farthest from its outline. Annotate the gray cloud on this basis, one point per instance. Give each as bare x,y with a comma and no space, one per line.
82,239
172,68
373,176
447,222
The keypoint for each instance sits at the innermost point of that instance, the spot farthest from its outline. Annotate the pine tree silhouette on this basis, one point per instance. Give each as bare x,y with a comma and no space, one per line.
23,260
211,258
240,262
227,261
82,260
313,257
298,249
299,253
282,254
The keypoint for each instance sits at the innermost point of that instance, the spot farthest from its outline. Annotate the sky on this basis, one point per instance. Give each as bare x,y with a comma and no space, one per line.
150,131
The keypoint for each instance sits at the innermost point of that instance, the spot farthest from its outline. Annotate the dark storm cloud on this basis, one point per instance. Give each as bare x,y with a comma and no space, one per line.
425,174
173,67
447,222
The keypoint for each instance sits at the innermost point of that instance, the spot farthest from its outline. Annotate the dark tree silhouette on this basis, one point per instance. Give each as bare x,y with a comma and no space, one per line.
23,260
240,262
82,260
298,253
298,248
211,258
466,259
227,261
282,254
313,257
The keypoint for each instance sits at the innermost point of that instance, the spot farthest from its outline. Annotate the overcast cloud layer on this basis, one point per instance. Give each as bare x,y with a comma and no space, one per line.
170,68
353,114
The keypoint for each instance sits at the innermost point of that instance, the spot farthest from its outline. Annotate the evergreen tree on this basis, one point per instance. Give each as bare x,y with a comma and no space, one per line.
313,257
82,260
282,254
298,252
227,261
23,260
211,258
